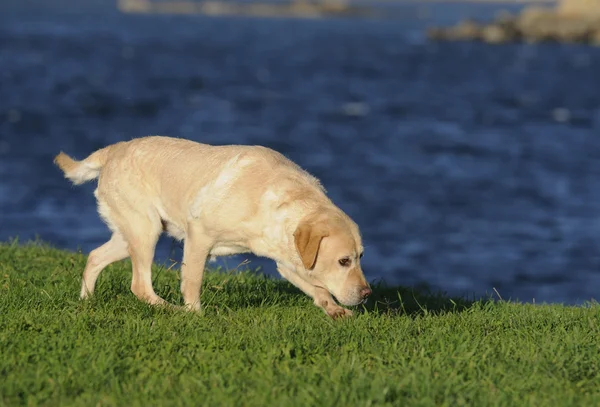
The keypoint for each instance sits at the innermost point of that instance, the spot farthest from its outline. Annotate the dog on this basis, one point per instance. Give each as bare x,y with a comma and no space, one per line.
220,200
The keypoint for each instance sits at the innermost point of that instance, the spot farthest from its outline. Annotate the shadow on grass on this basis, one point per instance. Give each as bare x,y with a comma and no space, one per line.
244,288
250,289
259,290
414,302
237,289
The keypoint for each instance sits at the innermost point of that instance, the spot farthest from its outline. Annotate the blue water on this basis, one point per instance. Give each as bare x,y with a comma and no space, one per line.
468,167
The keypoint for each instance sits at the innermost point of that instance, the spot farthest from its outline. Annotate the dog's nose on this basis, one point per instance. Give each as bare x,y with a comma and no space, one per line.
365,292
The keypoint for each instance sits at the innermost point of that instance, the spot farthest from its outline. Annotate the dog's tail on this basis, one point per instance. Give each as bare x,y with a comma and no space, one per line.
85,170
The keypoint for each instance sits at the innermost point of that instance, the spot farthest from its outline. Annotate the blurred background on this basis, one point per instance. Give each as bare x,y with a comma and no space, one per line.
468,166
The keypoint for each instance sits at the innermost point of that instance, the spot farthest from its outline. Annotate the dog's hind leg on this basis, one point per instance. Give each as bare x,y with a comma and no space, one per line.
195,251
113,250
142,234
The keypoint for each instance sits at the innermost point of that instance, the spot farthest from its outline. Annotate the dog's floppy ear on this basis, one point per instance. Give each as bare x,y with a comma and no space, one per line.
308,238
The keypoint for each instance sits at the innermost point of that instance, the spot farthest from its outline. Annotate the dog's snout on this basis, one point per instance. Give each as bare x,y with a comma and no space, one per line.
365,292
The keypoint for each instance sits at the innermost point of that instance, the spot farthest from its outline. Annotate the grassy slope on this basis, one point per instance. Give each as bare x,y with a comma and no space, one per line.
260,342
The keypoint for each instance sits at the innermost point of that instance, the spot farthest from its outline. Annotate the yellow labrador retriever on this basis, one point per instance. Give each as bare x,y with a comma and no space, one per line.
220,200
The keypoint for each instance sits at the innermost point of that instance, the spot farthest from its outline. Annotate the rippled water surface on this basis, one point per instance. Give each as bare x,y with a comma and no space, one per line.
467,167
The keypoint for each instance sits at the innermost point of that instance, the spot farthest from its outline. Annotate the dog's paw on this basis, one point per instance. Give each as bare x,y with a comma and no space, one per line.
195,307
339,312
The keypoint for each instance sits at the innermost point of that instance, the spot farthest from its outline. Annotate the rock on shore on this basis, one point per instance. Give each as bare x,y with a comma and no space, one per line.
571,21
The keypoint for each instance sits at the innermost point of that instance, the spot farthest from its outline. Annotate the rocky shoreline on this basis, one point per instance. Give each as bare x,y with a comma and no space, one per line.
295,8
571,21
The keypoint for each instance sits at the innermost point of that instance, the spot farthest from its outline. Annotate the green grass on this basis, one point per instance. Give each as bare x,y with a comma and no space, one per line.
260,342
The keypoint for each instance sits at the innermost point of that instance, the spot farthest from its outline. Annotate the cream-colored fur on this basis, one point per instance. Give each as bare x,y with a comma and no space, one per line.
220,200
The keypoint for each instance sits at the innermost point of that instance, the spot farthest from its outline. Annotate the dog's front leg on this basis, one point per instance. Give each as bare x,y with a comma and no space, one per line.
321,296
195,250
325,301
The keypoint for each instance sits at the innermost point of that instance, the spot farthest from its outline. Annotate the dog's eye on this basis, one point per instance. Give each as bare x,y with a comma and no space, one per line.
360,255
345,262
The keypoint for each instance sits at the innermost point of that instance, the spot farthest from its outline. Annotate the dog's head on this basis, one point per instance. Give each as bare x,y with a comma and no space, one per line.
330,247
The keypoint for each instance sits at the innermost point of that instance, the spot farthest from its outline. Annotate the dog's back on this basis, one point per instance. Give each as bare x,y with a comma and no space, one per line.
176,178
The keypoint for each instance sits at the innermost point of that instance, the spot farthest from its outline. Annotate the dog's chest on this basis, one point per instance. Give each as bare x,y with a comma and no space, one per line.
227,250
173,230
